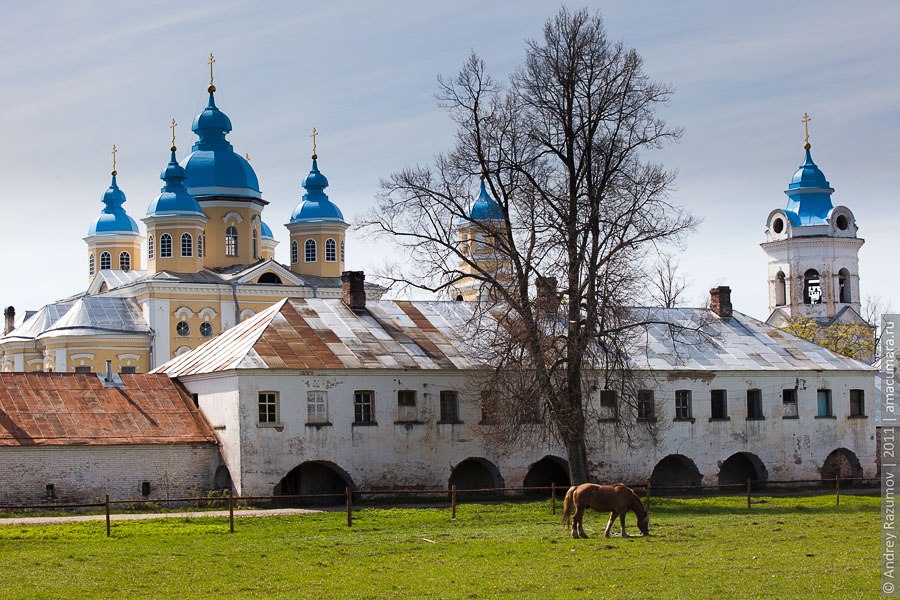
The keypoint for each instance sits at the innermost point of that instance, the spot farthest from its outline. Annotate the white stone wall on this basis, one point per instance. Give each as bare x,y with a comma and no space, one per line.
87,473
392,454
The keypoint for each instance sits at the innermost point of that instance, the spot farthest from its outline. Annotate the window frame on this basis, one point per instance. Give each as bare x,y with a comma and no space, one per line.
150,247
310,251
330,250
91,264
165,246
858,404
684,405
789,398
646,406
204,326
231,241
127,262
255,244
182,325
187,245
269,401
755,405
295,252
364,407
826,395
201,243
342,251
448,403
317,407
718,405
105,259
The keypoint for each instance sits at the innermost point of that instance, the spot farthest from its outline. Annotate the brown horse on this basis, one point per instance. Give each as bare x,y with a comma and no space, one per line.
618,499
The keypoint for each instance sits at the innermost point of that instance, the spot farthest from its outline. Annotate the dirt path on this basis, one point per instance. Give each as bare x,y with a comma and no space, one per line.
168,515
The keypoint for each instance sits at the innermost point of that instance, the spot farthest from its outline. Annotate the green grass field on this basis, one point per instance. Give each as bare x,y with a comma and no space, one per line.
698,548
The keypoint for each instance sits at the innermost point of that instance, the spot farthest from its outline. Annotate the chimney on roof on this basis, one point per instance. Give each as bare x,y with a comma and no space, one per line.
10,316
546,300
353,291
720,301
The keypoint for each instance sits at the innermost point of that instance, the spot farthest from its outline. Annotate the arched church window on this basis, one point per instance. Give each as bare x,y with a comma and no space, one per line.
780,289
105,261
150,246
330,250
342,251
294,252
165,246
812,287
201,242
309,251
231,241
91,265
844,295
255,244
125,261
187,244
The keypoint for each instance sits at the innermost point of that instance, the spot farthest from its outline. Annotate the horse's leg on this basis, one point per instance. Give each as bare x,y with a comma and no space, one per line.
622,521
581,532
612,518
576,521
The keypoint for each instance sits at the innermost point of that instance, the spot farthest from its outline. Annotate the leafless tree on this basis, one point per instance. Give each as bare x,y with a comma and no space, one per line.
561,149
666,286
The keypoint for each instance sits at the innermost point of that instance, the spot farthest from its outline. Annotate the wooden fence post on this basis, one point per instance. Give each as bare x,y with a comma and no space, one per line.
107,516
349,507
453,502
553,496
230,512
748,493
837,490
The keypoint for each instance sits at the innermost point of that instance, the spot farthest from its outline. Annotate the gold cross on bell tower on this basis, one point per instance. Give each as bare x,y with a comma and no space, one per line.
172,126
114,150
806,119
313,136
210,61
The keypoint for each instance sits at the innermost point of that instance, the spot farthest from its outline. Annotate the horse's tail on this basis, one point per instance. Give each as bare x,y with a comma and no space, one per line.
568,505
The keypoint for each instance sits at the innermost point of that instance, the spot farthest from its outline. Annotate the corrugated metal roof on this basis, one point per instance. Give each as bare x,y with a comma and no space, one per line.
39,409
325,334
39,322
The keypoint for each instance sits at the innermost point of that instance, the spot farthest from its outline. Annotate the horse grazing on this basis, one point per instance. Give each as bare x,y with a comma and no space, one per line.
618,499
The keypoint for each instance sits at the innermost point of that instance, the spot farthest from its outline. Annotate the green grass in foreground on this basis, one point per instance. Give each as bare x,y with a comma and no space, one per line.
698,548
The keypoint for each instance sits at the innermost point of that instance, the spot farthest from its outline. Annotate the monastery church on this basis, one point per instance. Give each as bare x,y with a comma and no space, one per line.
206,364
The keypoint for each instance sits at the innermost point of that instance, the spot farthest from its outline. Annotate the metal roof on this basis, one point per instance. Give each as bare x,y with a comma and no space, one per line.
38,409
99,315
39,322
324,334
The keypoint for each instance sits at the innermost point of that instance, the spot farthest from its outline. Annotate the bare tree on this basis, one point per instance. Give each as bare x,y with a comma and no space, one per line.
666,285
561,149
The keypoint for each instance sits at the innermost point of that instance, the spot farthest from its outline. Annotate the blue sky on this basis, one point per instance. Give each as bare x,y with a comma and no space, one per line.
78,77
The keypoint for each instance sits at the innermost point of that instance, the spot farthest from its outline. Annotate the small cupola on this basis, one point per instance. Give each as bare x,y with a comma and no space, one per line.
485,207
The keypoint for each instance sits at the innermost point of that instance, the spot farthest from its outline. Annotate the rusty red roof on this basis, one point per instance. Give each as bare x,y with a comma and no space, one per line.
52,409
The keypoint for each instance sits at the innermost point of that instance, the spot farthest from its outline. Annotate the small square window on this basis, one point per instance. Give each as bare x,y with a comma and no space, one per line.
406,405
857,403
128,370
608,398
268,408
449,406
754,405
82,369
718,404
683,405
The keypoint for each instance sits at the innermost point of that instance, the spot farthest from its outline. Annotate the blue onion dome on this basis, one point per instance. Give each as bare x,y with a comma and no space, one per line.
175,198
213,168
809,194
265,231
485,207
315,206
113,219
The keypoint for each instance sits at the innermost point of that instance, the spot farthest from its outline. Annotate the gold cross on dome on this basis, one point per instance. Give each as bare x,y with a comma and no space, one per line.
114,150
210,62
247,156
313,136
806,119
172,126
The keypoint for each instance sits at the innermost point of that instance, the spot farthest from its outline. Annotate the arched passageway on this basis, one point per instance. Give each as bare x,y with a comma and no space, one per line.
314,478
546,472
740,467
675,470
841,463
476,474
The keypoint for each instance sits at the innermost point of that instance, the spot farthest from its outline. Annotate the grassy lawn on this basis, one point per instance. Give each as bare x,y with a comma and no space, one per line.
698,548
